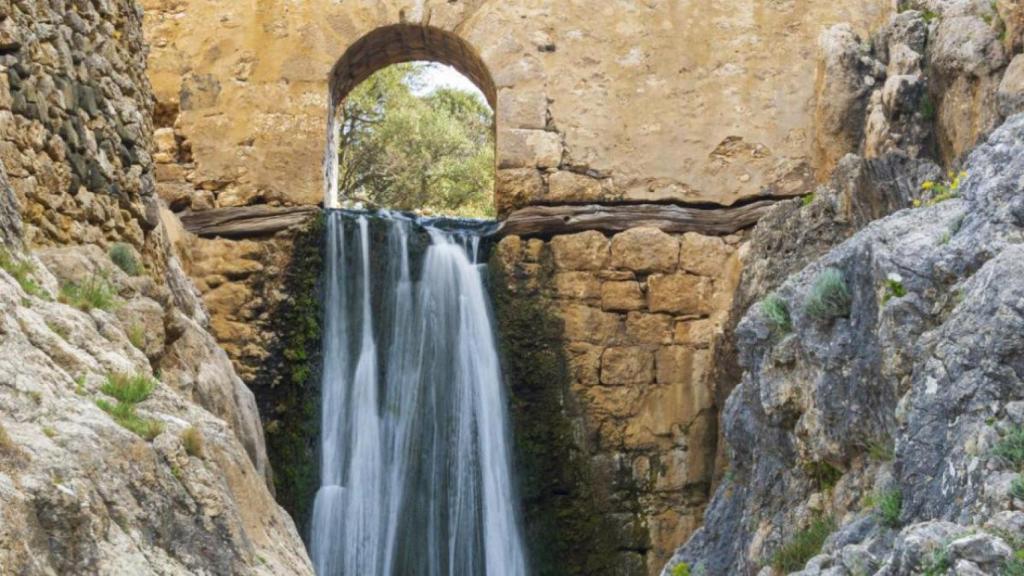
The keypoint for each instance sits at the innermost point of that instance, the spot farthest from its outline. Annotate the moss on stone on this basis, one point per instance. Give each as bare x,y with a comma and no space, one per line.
566,516
288,388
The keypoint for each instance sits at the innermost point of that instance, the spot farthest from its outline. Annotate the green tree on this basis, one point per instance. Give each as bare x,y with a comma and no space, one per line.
404,151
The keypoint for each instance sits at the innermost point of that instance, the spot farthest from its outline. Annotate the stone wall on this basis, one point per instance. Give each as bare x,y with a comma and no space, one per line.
74,121
663,101
637,320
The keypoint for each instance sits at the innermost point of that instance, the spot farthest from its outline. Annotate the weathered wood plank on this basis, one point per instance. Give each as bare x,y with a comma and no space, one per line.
246,221
546,221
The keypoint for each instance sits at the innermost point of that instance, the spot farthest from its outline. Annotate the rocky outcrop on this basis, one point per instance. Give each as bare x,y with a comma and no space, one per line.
85,483
881,431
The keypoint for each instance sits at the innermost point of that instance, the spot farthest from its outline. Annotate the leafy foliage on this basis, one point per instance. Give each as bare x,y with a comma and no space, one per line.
1017,488
803,546
681,569
939,191
829,297
776,311
408,151
122,255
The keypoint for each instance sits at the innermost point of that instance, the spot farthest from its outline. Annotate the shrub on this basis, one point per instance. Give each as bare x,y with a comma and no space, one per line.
129,391
893,288
829,297
776,312
1017,488
1011,447
824,474
21,271
123,255
888,505
192,440
803,546
681,569
881,450
1015,565
939,191
96,292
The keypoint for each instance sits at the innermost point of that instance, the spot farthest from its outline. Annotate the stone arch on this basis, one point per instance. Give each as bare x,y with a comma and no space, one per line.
396,44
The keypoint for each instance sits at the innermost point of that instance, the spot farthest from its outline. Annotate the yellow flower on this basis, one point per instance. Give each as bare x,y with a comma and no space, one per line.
917,203
928,185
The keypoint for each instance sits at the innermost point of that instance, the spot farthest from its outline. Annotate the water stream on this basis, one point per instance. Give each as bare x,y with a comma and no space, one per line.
415,467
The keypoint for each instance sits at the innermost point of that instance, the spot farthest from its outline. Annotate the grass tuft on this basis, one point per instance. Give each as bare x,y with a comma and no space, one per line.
881,450
776,311
123,255
21,271
829,297
129,391
1017,488
96,292
803,546
192,440
888,506
137,336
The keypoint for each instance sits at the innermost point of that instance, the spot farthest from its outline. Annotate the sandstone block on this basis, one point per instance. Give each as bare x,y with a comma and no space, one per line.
585,363
534,250
703,255
509,252
517,187
566,186
522,108
577,285
649,329
681,294
645,250
583,251
622,296
518,148
627,366
587,324
165,141
679,364
612,402
698,333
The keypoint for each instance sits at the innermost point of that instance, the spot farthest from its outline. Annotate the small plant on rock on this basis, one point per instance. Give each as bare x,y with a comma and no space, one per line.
1017,488
123,255
776,312
137,336
129,391
21,271
881,450
6,444
803,546
829,297
825,475
888,505
192,440
893,288
681,569
938,191
1015,565
96,292
937,564
1011,447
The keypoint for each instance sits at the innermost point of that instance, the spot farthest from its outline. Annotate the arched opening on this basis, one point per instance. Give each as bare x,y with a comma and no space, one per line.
401,138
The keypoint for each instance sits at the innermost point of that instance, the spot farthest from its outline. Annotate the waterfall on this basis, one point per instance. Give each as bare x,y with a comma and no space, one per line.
415,460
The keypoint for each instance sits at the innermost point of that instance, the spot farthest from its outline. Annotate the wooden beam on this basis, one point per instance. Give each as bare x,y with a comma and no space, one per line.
547,221
246,221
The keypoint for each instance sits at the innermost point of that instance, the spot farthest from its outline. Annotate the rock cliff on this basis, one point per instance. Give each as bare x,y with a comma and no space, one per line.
874,377
128,444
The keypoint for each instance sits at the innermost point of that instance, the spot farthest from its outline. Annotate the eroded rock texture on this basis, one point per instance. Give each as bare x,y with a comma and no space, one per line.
908,393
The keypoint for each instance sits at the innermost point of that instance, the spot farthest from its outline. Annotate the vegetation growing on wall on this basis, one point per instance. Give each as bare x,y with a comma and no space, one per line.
567,528
288,390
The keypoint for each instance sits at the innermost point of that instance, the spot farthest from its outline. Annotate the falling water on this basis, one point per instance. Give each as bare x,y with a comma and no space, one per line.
415,473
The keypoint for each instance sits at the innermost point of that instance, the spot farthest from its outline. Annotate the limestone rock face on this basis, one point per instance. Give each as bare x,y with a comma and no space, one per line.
81,493
645,102
900,372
